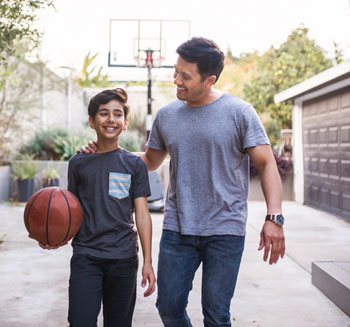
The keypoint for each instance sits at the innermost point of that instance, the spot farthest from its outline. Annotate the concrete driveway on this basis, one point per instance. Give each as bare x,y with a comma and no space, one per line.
33,282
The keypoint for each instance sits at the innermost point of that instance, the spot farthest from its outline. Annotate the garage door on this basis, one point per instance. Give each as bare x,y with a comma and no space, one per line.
326,142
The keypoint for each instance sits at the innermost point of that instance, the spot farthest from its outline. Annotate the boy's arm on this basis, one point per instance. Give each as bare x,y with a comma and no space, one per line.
144,228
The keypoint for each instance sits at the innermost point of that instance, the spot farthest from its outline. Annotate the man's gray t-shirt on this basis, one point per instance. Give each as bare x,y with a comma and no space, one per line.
106,185
209,165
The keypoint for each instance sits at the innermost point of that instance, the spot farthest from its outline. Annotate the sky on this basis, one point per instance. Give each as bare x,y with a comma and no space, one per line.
79,26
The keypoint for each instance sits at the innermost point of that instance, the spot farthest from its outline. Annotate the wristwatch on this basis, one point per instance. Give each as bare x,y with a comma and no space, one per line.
276,218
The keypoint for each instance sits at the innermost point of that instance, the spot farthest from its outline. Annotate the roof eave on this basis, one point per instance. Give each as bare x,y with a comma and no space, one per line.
314,82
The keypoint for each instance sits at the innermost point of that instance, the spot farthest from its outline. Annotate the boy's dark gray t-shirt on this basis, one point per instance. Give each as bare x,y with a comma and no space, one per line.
209,165
106,185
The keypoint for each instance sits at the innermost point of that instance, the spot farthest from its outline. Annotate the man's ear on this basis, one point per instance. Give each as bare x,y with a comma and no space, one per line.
91,122
210,81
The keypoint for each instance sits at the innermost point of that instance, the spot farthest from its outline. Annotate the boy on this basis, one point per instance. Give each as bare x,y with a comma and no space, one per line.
109,184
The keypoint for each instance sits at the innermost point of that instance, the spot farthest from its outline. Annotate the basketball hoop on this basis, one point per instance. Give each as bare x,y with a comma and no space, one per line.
148,58
150,43
129,49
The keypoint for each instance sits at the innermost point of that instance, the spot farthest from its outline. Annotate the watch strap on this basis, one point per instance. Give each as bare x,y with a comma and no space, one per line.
276,218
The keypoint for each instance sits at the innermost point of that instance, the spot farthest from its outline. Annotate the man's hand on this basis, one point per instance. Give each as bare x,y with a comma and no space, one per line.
91,147
148,275
272,239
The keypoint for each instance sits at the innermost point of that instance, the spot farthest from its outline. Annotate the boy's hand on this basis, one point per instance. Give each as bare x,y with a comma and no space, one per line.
47,246
91,147
148,275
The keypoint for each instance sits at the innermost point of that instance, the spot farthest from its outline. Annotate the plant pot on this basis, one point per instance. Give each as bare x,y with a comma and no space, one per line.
48,182
25,189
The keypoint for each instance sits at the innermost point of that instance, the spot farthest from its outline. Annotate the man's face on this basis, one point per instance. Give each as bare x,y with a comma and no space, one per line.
109,120
190,88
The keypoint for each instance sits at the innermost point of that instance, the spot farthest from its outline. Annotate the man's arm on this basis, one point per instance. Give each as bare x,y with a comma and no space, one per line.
144,228
271,235
153,158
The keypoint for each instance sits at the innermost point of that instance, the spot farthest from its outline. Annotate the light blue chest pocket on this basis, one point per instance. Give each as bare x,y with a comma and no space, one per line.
119,185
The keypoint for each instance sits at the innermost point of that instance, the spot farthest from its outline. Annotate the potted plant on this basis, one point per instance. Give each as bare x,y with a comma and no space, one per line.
25,170
50,176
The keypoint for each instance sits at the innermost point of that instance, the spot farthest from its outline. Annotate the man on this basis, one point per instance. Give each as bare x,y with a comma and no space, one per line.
210,136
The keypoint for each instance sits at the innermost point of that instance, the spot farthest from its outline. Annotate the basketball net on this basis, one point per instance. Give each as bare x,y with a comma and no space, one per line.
149,59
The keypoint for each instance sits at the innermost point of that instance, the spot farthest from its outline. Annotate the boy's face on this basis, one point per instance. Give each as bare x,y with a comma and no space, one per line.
109,120
190,87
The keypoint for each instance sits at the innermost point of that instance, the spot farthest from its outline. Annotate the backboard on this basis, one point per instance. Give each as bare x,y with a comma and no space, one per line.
131,39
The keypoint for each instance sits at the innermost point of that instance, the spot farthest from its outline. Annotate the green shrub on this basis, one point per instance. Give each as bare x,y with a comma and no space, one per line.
273,131
61,144
51,171
56,143
66,147
25,167
41,146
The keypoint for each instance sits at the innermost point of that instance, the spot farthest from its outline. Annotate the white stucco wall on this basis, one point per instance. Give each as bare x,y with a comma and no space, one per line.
298,156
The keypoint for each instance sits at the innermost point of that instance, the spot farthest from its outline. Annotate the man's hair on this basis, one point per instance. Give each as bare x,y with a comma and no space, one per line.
104,97
205,53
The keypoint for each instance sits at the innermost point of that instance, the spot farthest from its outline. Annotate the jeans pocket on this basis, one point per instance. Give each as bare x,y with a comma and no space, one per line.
119,185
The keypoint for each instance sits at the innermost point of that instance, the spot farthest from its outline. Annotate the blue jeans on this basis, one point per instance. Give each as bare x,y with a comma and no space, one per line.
112,281
179,258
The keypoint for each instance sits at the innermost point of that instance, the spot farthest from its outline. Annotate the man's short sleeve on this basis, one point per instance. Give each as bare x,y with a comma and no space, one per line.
155,140
252,129
140,182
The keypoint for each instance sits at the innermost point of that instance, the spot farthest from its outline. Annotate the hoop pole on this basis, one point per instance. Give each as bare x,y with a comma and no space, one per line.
149,64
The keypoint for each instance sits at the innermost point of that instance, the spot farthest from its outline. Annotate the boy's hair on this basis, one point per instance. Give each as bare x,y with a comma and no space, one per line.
205,53
104,97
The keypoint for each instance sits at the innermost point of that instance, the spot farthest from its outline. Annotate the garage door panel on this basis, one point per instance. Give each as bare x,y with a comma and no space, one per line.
333,135
333,103
345,100
345,170
346,203
345,134
335,201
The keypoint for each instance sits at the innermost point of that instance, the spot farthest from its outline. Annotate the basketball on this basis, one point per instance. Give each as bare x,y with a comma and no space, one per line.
52,216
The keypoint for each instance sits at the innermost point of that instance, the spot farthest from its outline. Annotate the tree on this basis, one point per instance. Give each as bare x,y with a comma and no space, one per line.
237,72
17,37
16,24
338,53
297,59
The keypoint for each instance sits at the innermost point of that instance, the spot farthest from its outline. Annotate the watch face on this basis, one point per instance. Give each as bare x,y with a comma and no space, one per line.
280,220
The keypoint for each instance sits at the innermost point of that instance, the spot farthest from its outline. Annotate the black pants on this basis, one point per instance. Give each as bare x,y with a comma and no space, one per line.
94,279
